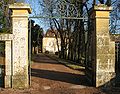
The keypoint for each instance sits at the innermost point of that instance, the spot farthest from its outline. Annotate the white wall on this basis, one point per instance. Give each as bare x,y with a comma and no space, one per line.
50,44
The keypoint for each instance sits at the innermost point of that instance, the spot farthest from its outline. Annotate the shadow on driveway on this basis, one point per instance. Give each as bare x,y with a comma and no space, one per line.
61,76
41,58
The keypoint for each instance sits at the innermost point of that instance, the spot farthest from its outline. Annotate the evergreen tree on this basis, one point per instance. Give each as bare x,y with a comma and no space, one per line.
5,21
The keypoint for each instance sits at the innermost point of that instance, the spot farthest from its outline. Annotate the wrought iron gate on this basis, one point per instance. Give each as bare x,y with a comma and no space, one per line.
2,63
117,47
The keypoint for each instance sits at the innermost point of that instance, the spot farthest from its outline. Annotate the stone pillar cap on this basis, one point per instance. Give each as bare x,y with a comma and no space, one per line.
102,7
17,6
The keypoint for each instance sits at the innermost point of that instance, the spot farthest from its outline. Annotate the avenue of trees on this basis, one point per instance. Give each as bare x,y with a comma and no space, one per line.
71,19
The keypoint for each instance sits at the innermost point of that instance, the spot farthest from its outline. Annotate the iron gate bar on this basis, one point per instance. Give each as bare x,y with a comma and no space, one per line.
30,56
55,17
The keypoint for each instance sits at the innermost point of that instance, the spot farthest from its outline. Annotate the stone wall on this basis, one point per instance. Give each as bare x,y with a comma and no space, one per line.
50,44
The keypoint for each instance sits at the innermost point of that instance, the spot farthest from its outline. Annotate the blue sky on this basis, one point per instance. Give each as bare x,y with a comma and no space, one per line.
37,10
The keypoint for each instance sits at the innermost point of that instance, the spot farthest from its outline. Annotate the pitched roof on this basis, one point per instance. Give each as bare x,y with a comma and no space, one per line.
51,33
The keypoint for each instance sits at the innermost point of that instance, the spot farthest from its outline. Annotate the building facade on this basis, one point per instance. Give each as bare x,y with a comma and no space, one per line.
51,42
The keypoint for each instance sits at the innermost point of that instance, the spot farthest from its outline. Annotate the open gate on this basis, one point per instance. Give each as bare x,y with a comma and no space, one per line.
117,62
90,38
117,46
2,63
68,11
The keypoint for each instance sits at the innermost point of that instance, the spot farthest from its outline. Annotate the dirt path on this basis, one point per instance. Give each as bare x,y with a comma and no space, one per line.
50,77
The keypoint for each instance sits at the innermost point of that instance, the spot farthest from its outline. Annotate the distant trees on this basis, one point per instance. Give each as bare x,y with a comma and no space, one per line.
70,29
67,17
5,21
5,15
36,37
73,31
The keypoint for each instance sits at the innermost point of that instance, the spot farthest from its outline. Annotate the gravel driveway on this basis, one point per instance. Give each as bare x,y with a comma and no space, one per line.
51,77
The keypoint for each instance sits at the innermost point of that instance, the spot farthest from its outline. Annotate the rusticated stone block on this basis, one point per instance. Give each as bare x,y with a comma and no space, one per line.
7,81
112,48
115,37
104,32
104,78
6,37
20,81
101,40
102,49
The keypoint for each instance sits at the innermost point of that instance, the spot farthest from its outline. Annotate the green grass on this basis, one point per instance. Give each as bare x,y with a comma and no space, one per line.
66,62
73,66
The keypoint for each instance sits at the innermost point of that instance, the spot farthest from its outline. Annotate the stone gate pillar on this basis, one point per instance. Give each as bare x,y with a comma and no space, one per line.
103,49
19,74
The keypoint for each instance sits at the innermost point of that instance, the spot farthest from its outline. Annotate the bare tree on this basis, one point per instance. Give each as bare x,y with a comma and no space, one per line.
71,30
